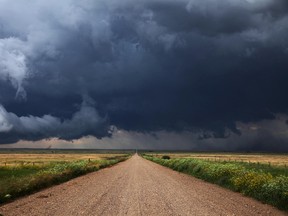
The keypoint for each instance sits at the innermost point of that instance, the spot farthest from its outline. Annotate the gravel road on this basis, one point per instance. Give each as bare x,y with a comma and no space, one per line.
136,187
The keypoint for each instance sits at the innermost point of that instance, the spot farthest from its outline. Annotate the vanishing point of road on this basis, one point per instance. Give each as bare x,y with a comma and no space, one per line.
136,187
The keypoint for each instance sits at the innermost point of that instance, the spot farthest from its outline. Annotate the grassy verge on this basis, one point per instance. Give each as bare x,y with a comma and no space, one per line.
266,183
20,180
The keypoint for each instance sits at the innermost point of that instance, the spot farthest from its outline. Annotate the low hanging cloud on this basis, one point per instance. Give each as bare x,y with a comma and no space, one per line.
176,66
265,136
86,121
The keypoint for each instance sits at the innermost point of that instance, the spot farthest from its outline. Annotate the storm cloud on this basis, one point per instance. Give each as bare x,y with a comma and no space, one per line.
86,121
186,65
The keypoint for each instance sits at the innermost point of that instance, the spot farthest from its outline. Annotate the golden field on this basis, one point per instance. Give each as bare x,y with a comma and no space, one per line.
273,159
11,159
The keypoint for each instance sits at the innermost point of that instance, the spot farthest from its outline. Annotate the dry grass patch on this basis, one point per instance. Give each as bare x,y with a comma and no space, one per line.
38,159
272,159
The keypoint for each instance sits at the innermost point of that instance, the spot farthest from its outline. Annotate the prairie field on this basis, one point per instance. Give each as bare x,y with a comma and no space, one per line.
46,158
27,172
272,159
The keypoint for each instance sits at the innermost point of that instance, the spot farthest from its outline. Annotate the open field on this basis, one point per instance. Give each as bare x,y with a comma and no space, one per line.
272,159
21,174
264,181
40,158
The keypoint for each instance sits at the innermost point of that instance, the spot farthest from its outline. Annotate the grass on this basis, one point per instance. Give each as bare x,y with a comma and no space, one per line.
46,158
264,182
24,177
261,158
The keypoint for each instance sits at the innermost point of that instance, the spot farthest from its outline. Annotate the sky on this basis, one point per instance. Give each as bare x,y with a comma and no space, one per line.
151,74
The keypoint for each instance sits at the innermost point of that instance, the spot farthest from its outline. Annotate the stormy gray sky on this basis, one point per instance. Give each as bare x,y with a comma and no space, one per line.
181,74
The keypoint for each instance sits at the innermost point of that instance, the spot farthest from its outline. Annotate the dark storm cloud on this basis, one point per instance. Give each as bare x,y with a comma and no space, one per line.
85,121
152,65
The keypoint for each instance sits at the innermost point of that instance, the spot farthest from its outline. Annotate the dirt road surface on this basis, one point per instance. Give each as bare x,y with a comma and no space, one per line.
136,187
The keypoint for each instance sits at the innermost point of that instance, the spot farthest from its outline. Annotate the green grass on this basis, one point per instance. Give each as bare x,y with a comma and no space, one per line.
266,183
20,180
